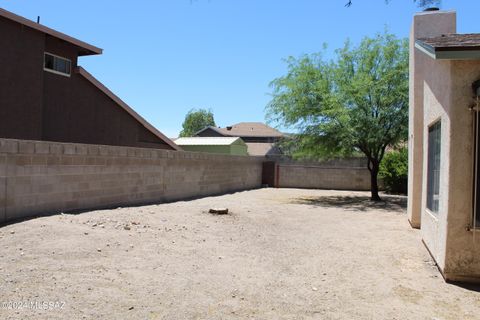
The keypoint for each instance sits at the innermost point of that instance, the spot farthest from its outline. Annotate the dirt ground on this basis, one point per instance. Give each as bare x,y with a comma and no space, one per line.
280,254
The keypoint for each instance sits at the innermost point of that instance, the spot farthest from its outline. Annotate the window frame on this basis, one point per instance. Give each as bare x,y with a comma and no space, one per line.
431,187
475,223
55,71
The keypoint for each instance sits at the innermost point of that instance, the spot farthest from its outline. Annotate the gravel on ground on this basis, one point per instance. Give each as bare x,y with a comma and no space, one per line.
277,254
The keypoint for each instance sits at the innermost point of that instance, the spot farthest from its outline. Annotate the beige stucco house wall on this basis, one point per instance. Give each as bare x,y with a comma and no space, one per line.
441,90
425,24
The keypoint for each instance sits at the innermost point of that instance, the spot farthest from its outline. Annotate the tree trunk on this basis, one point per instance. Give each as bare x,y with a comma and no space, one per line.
374,167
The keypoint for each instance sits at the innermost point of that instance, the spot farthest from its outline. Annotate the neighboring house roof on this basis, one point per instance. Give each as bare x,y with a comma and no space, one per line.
262,149
451,46
247,129
208,141
125,107
86,49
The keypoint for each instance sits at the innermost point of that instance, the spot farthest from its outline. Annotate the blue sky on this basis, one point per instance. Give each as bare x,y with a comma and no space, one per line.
164,57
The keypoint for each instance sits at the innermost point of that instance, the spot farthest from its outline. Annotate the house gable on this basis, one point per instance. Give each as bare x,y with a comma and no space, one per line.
41,104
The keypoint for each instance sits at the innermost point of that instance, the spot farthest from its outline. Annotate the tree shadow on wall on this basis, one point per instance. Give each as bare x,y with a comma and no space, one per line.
389,203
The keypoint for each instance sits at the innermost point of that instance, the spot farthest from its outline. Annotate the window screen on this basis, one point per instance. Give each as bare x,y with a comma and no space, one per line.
476,177
433,179
57,64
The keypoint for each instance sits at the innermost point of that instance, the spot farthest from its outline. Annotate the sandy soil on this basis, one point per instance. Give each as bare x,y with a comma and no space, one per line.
280,254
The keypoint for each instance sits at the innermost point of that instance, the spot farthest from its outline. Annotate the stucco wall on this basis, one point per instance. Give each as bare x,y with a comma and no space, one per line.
425,24
347,174
47,177
437,98
463,249
441,90
447,97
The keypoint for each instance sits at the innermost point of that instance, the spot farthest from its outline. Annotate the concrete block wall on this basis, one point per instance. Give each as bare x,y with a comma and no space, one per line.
39,177
341,174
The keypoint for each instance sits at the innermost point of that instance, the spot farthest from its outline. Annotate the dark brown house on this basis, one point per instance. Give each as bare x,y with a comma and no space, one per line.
45,95
259,137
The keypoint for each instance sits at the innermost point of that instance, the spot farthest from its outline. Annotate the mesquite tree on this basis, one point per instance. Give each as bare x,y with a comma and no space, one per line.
357,102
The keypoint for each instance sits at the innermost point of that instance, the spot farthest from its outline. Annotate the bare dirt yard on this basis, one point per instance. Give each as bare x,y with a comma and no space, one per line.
280,254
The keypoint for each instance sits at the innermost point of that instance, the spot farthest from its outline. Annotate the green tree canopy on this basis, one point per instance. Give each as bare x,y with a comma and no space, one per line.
355,103
196,120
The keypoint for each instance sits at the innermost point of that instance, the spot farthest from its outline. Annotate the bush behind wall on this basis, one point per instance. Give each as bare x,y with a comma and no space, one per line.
394,171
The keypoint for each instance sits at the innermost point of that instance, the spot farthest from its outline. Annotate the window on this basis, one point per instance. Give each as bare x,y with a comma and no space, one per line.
56,64
433,173
476,175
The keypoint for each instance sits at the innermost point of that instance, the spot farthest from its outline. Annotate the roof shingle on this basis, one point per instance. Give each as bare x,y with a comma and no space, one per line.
453,42
249,129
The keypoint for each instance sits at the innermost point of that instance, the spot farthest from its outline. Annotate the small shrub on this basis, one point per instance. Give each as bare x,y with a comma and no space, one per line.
394,171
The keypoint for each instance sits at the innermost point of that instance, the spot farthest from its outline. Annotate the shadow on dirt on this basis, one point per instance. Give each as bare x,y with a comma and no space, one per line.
467,286
355,203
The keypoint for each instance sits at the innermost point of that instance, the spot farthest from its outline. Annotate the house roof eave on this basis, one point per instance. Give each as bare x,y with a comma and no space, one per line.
86,49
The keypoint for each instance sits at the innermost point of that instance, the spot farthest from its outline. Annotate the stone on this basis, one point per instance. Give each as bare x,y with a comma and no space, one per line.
218,210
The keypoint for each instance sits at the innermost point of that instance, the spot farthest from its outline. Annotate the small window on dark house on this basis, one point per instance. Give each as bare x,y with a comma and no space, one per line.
56,64
433,173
